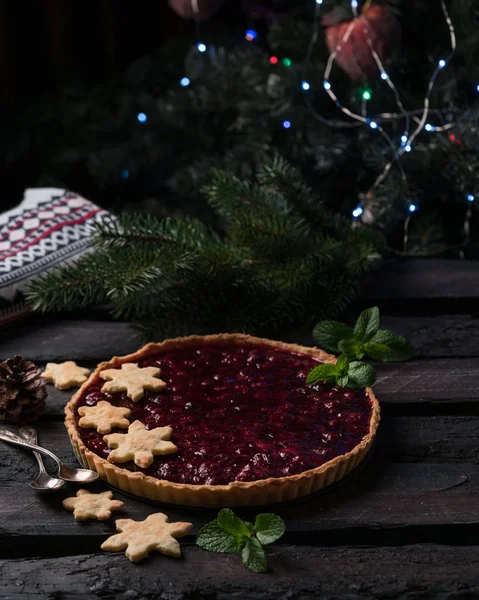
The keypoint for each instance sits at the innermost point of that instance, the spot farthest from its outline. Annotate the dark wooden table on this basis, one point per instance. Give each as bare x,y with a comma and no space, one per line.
405,526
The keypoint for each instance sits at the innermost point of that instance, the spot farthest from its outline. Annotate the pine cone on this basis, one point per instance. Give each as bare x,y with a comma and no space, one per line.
22,391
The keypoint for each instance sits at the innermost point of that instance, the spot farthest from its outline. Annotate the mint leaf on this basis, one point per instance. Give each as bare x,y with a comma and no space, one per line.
328,334
215,539
360,375
378,351
399,347
352,348
253,556
343,381
342,366
324,372
269,528
367,324
228,521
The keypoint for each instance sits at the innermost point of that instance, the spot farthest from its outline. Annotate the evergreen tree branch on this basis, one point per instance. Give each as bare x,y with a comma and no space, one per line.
273,266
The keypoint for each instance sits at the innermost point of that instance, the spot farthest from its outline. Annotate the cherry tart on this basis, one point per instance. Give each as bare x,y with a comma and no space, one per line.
242,426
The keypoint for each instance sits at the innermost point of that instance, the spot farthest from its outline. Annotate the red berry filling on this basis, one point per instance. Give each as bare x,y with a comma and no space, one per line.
240,413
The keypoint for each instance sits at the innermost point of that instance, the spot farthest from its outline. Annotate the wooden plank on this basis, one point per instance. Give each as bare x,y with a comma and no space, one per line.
430,336
441,380
435,439
414,382
438,439
382,494
43,339
438,336
430,278
425,571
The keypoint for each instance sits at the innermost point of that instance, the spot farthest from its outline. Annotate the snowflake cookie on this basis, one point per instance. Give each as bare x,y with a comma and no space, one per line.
104,416
141,537
92,506
139,444
133,380
65,375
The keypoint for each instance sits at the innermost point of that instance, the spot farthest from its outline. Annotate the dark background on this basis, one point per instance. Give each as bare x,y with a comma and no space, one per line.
47,44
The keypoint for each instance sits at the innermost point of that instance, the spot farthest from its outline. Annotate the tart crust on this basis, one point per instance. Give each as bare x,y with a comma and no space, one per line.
236,493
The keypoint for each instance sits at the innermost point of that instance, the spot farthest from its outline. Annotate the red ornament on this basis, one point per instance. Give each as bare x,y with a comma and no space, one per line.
196,9
354,55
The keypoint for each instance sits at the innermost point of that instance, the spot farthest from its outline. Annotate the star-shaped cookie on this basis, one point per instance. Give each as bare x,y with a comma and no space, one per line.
139,444
104,416
65,375
141,537
92,506
133,380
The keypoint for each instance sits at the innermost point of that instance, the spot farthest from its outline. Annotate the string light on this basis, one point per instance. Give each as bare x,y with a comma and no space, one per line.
412,208
367,95
477,88
142,118
407,138
125,174
357,212
470,198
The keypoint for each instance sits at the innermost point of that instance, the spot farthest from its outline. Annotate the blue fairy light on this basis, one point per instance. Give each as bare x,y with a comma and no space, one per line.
142,118
357,212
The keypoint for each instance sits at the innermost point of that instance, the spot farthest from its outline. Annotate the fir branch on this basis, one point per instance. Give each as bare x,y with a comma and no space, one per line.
146,229
72,287
174,275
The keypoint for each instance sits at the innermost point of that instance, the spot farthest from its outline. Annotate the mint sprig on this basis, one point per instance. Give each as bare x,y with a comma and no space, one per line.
353,344
365,339
230,534
353,374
